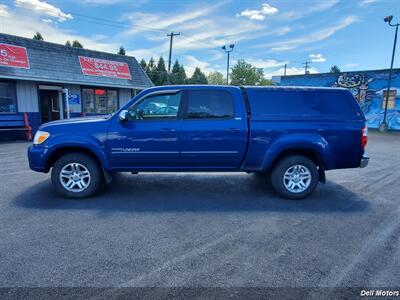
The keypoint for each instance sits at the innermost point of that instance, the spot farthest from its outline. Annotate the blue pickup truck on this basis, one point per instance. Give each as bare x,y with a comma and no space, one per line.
293,135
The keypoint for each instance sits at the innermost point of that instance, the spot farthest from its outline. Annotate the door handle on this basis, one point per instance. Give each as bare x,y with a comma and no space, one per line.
168,130
232,130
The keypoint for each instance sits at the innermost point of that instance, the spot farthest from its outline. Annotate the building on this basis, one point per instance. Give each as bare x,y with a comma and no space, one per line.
51,81
368,87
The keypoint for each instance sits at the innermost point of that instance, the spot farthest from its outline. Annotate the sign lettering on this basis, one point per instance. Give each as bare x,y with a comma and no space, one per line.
13,56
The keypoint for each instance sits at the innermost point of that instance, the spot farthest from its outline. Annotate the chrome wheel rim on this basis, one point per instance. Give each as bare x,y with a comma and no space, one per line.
297,178
75,177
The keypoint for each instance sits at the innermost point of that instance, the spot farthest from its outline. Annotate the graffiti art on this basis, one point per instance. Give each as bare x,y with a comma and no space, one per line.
368,87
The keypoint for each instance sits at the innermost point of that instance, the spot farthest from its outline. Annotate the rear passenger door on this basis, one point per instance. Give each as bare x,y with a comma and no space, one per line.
213,130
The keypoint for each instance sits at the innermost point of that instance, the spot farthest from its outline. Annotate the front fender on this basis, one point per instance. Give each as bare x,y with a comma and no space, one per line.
96,146
299,141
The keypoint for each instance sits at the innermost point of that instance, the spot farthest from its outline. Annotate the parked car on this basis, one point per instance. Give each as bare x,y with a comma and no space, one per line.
291,134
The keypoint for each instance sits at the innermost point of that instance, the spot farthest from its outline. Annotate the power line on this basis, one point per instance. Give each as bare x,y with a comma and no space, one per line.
102,21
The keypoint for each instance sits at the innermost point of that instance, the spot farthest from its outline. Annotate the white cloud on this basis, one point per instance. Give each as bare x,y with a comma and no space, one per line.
4,11
289,71
200,28
259,15
215,55
43,8
27,26
141,22
208,36
317,57
310,9
266,63
311,38
105,2
366,2
191,62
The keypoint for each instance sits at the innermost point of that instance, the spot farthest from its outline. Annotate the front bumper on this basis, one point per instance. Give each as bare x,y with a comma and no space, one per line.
37,157
364,161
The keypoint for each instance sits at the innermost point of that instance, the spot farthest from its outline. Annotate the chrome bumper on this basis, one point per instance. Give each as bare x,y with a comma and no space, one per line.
364,161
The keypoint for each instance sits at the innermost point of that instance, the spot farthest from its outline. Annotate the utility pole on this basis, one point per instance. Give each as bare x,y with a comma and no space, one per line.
284,72
228,51
306,65
384,126
171,36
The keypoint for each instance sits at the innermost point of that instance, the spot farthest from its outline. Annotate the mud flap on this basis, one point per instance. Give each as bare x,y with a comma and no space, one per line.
107,176
321,173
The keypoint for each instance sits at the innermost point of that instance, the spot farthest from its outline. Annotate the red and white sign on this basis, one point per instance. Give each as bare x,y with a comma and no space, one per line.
13,56
105,68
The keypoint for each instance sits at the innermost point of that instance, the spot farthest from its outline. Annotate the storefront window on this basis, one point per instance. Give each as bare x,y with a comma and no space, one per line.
8,101
100,101
88,100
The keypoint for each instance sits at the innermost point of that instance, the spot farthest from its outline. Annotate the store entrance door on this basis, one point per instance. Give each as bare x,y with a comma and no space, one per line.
49,105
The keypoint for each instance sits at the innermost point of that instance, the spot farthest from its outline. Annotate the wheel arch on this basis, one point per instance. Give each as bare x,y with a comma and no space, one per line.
309,152
63,150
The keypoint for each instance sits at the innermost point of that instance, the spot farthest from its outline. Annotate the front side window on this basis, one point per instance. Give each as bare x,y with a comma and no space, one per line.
100,101
156,107
209,105
8,99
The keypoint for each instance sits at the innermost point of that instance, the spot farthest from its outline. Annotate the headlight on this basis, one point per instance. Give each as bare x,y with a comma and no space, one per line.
40,137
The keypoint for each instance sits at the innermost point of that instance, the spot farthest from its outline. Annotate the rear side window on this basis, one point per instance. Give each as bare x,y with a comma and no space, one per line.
311,103
209,105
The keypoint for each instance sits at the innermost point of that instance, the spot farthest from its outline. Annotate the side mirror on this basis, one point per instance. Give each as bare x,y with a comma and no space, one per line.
123,115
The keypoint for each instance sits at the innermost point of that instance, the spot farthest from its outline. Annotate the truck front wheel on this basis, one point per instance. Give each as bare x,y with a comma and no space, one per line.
294,177
76,175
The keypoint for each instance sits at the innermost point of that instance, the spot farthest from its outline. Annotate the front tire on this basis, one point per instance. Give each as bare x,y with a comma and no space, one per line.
76,175
294,177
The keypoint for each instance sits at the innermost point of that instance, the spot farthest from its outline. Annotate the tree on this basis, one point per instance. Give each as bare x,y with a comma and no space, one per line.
335,69
266,82
143,64
182,74
68,43
77,44
198,77
121,50
178,74
151,70
216,78
161,73
244,73
38,36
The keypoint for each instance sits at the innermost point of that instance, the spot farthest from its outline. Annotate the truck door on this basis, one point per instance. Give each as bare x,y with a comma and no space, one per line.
149,138
214,130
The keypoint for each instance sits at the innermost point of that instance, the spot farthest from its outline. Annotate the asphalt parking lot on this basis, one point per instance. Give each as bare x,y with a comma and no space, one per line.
213,230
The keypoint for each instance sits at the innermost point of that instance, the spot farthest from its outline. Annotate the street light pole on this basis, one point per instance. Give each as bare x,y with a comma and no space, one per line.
384,126
228,51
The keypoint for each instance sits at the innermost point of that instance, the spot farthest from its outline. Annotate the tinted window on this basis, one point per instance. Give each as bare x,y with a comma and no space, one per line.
7,97
209,104
300,103
156,107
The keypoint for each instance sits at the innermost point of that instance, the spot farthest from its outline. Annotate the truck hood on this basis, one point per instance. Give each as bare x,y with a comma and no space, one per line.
73,121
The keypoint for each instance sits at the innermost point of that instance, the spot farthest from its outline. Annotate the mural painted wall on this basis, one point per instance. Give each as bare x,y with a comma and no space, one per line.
368,87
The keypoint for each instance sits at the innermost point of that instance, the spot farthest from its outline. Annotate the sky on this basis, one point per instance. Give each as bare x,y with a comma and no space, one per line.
268,34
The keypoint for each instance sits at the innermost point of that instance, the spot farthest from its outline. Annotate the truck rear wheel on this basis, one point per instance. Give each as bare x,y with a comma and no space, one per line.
76,175
294,177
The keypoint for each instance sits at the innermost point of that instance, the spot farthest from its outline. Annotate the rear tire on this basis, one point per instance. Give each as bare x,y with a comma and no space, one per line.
294,177
76,175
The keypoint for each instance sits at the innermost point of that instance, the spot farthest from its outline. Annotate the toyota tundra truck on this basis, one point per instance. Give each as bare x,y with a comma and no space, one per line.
291,134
